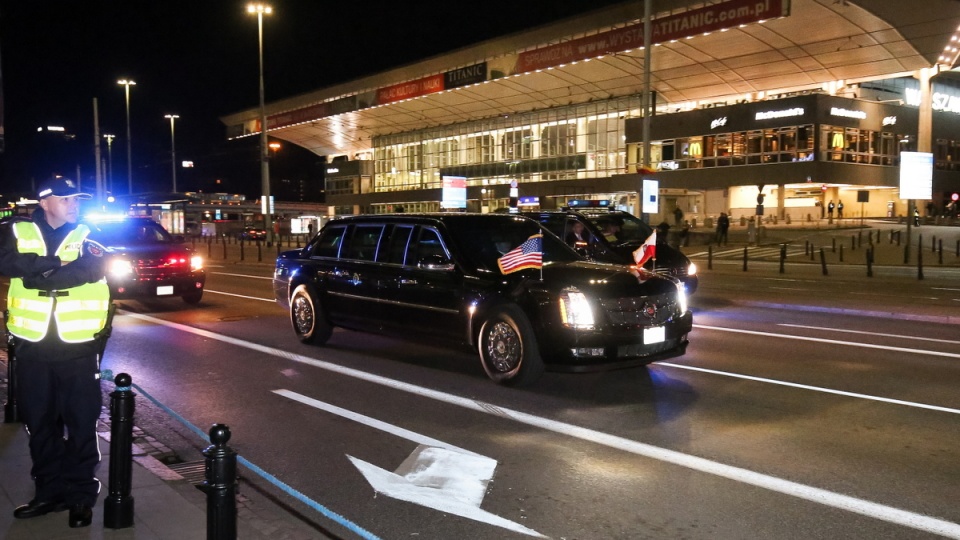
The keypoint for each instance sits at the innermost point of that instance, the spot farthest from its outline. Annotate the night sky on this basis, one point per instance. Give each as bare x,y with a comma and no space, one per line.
198,59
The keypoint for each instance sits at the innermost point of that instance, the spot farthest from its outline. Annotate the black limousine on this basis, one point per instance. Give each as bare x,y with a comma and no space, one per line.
499,284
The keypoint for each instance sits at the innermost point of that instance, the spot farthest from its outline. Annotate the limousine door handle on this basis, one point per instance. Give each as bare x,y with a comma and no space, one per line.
408,281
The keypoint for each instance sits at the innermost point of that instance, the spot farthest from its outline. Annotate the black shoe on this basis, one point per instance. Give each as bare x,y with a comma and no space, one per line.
36,508
80,516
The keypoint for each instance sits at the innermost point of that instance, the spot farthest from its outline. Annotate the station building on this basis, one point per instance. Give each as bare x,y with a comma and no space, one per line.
796,103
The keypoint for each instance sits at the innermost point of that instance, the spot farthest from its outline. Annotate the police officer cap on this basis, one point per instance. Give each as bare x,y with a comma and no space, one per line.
60,187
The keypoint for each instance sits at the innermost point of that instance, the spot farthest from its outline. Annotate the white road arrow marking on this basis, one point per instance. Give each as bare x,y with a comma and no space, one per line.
436,475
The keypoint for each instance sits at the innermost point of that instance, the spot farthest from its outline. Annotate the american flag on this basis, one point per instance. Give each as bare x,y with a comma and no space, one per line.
527,255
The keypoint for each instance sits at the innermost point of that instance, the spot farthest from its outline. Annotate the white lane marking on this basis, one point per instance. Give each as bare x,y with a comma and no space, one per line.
919,338
830,341
437,475
786,288
894,295
241,296
814,388
828,498
242,275
944,289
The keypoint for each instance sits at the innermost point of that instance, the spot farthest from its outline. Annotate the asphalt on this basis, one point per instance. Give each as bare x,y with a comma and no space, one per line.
168,505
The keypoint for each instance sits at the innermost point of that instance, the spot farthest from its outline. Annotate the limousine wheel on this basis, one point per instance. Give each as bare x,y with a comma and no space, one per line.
508,349
307,317
193,297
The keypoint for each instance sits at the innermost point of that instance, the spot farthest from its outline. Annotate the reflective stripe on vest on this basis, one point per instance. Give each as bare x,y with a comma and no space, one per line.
79,315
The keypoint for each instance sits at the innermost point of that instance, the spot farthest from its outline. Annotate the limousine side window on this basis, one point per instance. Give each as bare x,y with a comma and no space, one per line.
328,244
428,248
395,242
362,245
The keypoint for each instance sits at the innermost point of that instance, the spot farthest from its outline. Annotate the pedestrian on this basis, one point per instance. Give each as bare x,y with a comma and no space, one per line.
839,209
57,316
677,216
723,225
916,217
830,207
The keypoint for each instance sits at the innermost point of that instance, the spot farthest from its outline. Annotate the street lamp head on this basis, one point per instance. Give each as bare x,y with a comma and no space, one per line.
126,82
258,7
171,116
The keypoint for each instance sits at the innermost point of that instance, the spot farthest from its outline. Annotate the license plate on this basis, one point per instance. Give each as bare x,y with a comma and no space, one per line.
655,334
165,290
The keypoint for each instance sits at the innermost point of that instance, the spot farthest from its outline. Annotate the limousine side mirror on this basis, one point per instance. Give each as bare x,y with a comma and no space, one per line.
435,262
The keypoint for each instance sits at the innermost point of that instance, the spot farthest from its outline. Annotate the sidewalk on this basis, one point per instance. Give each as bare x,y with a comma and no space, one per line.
166,504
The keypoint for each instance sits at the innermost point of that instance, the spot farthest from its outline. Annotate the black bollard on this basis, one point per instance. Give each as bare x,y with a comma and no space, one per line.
933,243
834,239
209,249
870,262
260,251
242,254
958,248
853,243
11,414
278,246
118,506
224,249
783,256
744,258
710,257
940,250
823,261
220,485
919,261
859,238
841,252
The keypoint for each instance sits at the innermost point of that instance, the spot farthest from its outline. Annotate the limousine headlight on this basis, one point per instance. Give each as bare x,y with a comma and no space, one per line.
682,297
575,310
196,263
692,269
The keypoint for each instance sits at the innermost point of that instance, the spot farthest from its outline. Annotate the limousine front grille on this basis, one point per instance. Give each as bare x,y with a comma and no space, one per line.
640,310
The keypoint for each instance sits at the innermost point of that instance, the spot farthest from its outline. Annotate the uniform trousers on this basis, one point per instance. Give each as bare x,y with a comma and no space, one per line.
59,402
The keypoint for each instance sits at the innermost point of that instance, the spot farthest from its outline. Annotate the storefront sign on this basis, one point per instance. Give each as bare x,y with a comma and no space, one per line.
719,122
410,89
889,120
847,113
786,113
454,193
465,75
678,26
941,101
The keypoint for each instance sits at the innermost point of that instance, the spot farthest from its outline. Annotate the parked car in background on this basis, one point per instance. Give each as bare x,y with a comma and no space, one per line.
612,236
252,233
499,284
147,262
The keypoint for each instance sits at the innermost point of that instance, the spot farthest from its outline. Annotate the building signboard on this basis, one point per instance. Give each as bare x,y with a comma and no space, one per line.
709,18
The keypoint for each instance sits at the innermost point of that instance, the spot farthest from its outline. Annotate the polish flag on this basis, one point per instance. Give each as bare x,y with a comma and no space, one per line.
648,250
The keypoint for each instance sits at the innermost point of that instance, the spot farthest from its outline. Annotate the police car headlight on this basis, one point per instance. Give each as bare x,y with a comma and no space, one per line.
682,297
196,263
120,268
575,310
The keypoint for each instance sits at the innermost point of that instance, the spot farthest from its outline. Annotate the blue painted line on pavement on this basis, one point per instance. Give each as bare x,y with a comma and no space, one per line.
107,375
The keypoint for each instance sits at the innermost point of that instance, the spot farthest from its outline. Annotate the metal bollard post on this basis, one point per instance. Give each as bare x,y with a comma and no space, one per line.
710,257
783,256
260,251
224,249
940,250
919,261
744,258
209,249
823,261
958,248
834,240
278,246
11,414
870,262
859,238
933,243
841,252
242,254
118,506
853,243
220,485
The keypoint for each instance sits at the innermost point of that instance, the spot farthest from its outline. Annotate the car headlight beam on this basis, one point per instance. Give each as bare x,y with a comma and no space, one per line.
196,263
120,268
575,310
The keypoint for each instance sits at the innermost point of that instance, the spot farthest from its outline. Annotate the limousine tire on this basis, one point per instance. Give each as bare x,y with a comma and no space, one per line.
508,348
306,314
193,297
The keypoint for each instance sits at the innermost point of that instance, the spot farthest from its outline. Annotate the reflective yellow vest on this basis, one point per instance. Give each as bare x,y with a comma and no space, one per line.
80,312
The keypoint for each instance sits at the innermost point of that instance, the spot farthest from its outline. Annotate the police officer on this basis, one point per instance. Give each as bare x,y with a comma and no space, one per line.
57,304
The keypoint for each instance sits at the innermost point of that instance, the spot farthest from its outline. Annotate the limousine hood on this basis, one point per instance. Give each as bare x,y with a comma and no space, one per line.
606,280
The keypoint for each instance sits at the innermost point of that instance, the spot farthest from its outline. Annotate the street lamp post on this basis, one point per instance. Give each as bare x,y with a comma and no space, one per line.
173,150
260,9
127,83
109,137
